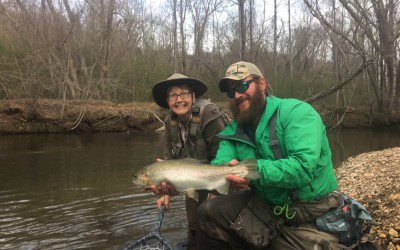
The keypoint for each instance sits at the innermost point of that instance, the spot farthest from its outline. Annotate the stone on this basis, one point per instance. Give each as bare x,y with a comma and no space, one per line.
375,184
382,235
393,233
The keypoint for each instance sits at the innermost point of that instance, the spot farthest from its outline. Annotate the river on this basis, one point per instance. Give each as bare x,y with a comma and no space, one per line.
75,191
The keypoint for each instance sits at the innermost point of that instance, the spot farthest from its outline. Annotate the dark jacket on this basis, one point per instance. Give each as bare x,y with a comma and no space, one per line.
202,142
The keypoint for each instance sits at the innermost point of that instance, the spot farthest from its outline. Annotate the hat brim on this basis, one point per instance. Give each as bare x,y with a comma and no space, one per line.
159,89
223,83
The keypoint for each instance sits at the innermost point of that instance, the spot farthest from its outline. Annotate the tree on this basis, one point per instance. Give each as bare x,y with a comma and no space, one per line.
376,20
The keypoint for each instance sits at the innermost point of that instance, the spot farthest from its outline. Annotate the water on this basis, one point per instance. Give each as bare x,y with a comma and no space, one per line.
74,191
345,143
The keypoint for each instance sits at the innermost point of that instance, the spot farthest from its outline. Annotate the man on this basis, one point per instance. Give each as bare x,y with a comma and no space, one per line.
190,130
277,210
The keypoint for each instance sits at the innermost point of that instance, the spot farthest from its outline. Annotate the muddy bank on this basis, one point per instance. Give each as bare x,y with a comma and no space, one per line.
55,116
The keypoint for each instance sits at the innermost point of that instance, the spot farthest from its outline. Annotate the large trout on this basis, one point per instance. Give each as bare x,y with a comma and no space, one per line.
190,174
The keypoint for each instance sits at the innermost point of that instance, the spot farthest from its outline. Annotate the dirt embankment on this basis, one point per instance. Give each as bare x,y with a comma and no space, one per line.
55,116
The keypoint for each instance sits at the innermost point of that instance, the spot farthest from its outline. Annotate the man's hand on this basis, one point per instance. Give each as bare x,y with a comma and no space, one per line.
237,182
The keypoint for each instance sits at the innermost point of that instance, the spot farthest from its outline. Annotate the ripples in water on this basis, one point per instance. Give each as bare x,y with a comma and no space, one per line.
107,222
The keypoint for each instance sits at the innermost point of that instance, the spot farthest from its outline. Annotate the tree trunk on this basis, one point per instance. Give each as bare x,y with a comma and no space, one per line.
175,36
242,22
274,59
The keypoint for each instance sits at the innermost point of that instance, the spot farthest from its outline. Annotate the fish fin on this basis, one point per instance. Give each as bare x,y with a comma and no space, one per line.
252,167
193,194
224,188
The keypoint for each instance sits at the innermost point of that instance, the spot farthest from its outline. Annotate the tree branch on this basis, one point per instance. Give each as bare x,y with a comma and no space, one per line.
337,86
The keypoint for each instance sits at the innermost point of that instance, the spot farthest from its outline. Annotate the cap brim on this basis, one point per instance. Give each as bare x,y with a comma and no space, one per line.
223,83
159,89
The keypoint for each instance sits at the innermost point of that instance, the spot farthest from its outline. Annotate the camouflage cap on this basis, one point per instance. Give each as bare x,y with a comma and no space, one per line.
237,72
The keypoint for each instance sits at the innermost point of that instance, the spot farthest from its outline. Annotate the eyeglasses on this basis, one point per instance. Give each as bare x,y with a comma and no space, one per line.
183,95
240,88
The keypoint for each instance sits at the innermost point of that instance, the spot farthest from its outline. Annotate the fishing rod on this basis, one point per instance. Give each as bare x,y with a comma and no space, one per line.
154,239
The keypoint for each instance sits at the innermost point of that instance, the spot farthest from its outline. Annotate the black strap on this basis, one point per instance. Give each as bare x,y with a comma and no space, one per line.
274,145
273,140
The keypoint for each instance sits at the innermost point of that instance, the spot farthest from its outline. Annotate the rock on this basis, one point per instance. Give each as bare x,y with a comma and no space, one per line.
372,179
382,235
393,233
394,196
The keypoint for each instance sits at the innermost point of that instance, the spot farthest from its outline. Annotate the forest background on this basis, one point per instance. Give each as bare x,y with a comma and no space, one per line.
336,53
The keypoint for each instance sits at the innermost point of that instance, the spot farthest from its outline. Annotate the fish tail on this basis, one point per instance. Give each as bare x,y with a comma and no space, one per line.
252,168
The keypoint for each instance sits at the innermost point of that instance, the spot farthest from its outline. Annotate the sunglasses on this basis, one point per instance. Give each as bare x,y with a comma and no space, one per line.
240,88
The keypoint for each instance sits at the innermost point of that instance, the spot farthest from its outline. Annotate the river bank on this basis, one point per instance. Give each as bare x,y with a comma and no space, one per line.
25,116
373,179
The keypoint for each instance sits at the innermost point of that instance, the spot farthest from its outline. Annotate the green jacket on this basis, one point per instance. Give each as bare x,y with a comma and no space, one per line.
306,165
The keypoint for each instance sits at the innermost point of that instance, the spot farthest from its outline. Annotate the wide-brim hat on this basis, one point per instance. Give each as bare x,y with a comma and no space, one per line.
159,89
237,72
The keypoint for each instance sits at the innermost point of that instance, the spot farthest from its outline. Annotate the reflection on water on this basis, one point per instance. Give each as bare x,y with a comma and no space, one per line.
350,142
74,191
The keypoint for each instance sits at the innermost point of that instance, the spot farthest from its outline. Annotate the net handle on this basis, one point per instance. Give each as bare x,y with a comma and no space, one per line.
154,234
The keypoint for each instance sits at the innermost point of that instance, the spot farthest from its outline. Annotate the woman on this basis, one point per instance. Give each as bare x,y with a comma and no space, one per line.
190,130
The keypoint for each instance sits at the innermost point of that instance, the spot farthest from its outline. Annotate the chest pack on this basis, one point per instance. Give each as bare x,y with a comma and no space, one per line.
350,220
195,134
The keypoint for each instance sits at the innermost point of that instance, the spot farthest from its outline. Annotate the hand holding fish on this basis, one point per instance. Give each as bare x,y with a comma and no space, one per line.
237,182
166,189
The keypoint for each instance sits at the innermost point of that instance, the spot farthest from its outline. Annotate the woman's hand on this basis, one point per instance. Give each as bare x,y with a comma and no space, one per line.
163,200
165,189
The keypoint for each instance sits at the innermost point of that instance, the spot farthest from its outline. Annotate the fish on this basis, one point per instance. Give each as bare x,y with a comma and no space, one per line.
188,175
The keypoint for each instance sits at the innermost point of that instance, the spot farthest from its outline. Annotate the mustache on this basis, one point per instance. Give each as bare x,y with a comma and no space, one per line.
240,99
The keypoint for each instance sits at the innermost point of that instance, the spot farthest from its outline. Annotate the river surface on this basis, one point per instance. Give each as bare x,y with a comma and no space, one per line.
75,191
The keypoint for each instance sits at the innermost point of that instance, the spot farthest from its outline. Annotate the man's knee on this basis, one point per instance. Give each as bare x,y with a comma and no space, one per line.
203,211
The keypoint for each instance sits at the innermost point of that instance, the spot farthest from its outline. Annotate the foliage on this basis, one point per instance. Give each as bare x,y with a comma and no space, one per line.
116,50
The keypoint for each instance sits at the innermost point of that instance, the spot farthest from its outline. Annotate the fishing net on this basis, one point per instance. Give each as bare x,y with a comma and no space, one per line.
150,244
154,239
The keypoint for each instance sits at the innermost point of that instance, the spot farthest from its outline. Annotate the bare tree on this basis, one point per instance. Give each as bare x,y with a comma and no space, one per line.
242,26
251,29
182,17
275,45
290,48
201,13
175,32
370,21
115,50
